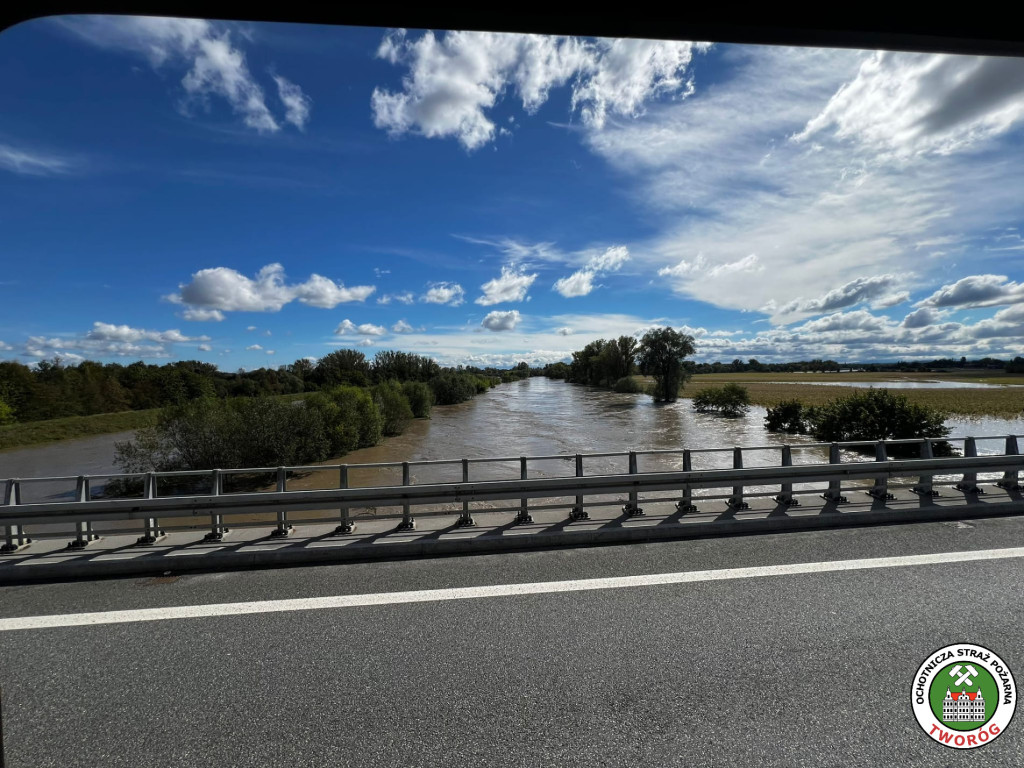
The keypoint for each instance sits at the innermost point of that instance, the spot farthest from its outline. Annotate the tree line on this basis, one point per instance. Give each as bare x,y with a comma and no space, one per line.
54,389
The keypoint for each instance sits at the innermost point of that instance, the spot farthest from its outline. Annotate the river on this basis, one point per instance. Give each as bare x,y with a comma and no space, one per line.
537,416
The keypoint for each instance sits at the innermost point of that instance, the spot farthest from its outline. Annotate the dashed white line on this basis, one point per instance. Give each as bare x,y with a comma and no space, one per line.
498,590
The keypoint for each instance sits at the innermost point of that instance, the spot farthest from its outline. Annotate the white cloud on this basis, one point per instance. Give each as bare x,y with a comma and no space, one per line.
578,283
453,81
512,285
402,298
204,347
250,328
366,343
109,332
347,327
564,331
402,327
701,267
254,348
215,66
976,291
921,317
502,321
581,282
4,347
31,163
198,314
877,289
297,104
451,294
228,290
905,104
270,352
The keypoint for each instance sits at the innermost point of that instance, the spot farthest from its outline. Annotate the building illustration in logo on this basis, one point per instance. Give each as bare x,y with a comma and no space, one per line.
963,706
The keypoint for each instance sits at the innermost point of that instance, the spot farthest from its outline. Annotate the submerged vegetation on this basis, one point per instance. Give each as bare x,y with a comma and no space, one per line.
731,400
871,414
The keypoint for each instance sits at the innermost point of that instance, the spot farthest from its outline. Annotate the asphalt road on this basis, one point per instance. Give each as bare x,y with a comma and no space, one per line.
809,669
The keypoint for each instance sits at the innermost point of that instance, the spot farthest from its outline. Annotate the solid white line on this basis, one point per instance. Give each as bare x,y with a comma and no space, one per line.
499,590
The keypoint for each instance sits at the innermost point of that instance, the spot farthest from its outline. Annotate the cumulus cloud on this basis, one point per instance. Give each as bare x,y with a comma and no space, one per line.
402,327
581,282
215,66
919,318
564,331
858,320
30,163
199,314
976,291
204,347
501,321
451,294
225,289
910,104
347,327
254,348
452,82
297,104
511,285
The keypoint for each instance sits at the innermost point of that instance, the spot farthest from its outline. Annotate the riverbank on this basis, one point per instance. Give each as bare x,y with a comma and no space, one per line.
31,433
768,389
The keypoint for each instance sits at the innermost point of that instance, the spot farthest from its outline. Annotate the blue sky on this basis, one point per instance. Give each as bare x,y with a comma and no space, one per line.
249,194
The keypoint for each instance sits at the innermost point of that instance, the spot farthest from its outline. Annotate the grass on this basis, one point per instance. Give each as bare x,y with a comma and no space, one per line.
40,432
767,389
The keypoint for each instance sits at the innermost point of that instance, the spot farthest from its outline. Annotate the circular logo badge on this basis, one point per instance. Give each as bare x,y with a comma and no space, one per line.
964,696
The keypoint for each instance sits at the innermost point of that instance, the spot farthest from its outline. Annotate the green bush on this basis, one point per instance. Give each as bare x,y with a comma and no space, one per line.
730,400
395,412
6,413
878,414
452,387
628,385
787,416
420,398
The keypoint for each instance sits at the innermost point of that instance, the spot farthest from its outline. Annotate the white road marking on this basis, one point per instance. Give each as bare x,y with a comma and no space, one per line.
498,590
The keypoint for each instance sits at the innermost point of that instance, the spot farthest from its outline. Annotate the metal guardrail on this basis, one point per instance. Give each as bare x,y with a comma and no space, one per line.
570,492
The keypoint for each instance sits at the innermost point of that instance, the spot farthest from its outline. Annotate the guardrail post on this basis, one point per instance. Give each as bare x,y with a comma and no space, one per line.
83,531
217,529
578,512
14,535
1009,481
632,508
834,493
282,529
880,490
152,530
736,500
524,515
466,518
346,525
786,491
408,522
969,483
686,504
924,482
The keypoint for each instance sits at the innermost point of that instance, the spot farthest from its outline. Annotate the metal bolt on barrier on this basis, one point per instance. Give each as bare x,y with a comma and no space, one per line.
786,491
578,512
524,516
466,518
834,493
345,525
969,483
408,522
736,500
685,504
632,507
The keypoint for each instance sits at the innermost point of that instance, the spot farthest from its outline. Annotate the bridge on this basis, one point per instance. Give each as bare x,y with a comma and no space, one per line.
796,645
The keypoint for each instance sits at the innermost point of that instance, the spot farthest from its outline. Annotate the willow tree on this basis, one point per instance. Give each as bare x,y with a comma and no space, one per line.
662,352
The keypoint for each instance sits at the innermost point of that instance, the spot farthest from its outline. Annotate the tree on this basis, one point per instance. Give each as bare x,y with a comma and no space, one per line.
662,351
730,400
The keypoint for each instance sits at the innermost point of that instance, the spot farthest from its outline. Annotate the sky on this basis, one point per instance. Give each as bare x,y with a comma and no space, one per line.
250,194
